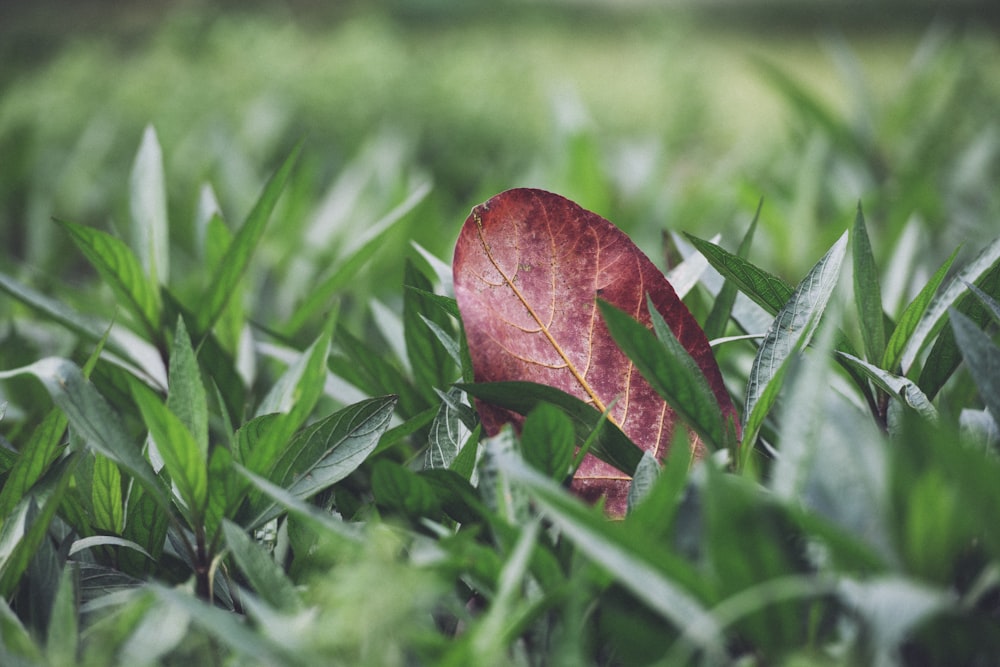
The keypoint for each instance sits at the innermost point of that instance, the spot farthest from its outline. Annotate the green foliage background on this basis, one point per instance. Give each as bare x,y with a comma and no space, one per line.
237,423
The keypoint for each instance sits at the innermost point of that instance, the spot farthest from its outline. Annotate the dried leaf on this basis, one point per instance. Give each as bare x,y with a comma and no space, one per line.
528,268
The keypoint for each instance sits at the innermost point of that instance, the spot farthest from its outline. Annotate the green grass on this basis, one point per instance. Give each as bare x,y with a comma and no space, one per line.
231,431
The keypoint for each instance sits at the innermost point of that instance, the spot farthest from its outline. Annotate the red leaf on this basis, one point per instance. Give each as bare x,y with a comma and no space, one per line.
528,267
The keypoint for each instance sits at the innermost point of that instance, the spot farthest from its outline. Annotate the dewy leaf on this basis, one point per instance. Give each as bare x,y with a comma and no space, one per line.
120,269
528,267
148,208
982,358
791,330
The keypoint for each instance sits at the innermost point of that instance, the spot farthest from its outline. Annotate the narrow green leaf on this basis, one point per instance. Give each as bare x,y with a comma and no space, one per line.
912,315
63,635
17,643
445,304
121,271
93,418
40,452
401,432
896,386
448,341
225,488
218,239
23,531
349,265
400,489
934,317
146,526
182,457
982,358
106,540
548,440
722,308
360,364
465,463
768,291
670,370
267,579
106,496
298,507
867,291
429,359
655,578
992,306
610,444
237,258
446,434
642,482
944,357
148,208
791,330
329,450
187,398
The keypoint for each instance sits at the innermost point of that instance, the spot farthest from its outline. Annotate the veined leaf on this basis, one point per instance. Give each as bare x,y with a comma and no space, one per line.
446,435
547,441
106,495
93,418
120,269
768,291
791,330
148,208
40,452
237,258
933,318
982,358
897,386
867,290
184,459
528,267
329,450
186,397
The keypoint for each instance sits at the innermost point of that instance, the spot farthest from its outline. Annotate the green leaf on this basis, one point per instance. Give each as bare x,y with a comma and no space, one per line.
16,642
642,482
722,308
992,306
187,398
465,463
360,364
148,208
982,358
121,271
768,291
40,452
934,317
225,488
237,258
901,388
266,577
402,490
912,316
23,531
63,634
146,526
93,418
228,327
610,444
329,450
867,291
791,330
547,441
670,370
349,266
430,360
182,457
106,496
654,577
447,433
944,357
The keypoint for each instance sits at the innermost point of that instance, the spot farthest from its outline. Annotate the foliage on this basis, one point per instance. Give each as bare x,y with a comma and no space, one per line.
204,461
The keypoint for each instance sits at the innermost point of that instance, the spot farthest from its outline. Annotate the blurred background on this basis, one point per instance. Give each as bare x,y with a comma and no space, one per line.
660,116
